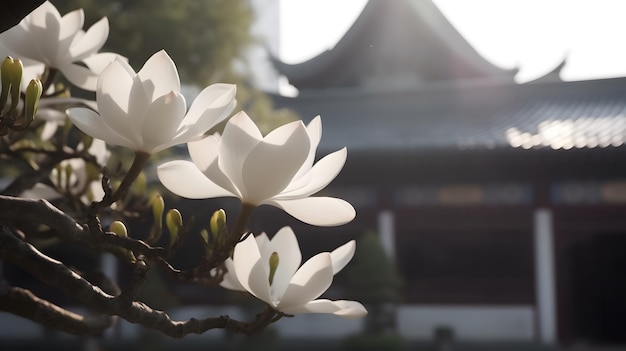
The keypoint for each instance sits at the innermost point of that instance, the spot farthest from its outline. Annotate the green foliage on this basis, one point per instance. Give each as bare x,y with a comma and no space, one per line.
204,37
372,274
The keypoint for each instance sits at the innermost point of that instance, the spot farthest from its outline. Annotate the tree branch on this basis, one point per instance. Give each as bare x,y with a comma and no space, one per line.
55,274
24,303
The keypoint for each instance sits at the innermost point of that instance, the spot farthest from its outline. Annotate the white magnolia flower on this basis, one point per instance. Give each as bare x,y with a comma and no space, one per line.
290,288
80,182
276,170
44,38
146,112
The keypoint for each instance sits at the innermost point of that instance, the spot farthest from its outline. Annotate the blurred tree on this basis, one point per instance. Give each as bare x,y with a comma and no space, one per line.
374,280
204,37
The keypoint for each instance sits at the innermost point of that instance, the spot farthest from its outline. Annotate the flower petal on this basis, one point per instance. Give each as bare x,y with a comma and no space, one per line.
321,211
210,107
184,179
80,76
230,280
318,177
159,75
240,136
93,39
342,308
71,23
285,244
270,166
342,255
112,95
309,282
204,154
161,121
314,129
250,270
92,124
98,62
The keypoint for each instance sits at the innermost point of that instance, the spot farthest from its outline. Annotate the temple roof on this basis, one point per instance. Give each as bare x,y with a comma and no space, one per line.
399,42
550,115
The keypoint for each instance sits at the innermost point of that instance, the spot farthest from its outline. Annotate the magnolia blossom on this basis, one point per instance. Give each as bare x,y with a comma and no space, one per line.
276,170
80,181
284,284
44,38
146,112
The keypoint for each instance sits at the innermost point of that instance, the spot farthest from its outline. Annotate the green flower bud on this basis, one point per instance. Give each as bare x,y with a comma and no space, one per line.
5,76
16,81
118,228
273,265
158,207
33,93
204,234
174,221
218,224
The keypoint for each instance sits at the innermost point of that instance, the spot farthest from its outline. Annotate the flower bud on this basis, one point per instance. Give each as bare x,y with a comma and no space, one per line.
5,76
174,222
218,224
118,228
158,207
33,93
15,74
273,266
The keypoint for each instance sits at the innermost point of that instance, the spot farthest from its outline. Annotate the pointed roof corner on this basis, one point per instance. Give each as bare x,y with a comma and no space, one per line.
402,40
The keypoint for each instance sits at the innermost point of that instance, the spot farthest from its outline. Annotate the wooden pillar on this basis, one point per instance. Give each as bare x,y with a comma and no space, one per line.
545,283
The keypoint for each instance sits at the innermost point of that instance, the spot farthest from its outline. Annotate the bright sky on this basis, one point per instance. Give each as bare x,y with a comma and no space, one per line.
534,35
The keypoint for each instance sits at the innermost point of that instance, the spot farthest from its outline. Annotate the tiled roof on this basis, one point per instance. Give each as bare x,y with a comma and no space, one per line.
557,116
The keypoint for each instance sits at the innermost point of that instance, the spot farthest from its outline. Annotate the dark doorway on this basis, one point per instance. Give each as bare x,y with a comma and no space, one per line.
598,288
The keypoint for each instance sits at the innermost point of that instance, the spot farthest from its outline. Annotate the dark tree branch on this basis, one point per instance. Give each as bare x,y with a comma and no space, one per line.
57,275
14,210
24,303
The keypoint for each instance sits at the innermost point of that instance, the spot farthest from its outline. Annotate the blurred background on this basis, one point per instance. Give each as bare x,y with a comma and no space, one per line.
486,161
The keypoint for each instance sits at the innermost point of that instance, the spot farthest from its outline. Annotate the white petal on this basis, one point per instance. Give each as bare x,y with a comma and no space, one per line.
159,75
71,23
309,282
285,244
92,124
230,280
184,179
342,308
250,270
209,106
263,242
204,154
112,95
318,177
350,309
342,255
92,41
161,121
98,62
270,166
314,129
240,136
80,76
320,211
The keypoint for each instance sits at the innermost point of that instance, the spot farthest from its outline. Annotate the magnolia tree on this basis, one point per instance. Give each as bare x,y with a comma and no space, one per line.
56,148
